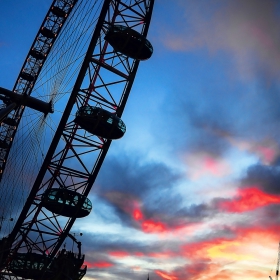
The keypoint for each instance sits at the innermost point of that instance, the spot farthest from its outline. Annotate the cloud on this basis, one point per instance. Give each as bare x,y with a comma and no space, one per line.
152,206
141,194
159,218
266,177
191,271
196,255
201,164
98,264
247,199
248,30
111,247
210,123
131,175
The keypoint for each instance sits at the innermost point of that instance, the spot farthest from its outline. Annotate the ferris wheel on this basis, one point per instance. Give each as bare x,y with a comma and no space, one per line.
57,125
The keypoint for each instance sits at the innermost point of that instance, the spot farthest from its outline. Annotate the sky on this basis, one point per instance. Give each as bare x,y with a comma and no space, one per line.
191,192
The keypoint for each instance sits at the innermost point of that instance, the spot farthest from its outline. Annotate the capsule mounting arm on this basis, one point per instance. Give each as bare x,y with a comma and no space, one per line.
26,100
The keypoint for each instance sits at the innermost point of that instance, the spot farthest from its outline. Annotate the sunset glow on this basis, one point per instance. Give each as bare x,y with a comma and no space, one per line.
248,199
192,190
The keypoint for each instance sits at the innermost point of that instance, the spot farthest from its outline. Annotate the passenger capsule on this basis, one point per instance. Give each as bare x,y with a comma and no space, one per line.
58,11
37,54
30,265
27,76
100,122
4,144
10,121
61,266
66,203
5,244
129,42
47,33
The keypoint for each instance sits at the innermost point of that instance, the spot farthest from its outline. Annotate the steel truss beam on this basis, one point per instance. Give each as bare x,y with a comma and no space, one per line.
31,68
75,156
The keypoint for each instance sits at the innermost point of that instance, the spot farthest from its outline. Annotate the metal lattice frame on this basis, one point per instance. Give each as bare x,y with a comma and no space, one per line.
75,156
31,68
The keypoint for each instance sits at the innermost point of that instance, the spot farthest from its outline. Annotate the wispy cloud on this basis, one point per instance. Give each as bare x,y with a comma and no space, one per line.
246,29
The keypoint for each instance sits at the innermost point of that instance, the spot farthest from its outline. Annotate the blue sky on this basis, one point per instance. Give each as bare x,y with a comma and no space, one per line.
192,189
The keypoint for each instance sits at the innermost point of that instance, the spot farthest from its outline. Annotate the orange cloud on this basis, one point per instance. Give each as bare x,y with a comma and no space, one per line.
227,250
241,247
222,258
217,248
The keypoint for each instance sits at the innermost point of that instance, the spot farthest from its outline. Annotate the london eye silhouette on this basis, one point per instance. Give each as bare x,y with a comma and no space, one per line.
57,124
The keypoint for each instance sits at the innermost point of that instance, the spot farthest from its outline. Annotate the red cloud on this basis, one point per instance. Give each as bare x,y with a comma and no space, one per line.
119,254
150,226
133,207
166,276
137,214
99,264
268,154
139,254
248,199
123,254
192,270
162,255
202,164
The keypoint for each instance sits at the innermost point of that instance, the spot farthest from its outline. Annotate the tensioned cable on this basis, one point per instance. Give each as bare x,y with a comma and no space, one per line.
35,131
54,71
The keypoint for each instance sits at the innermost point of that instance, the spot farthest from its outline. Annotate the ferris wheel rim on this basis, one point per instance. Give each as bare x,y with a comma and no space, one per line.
106,144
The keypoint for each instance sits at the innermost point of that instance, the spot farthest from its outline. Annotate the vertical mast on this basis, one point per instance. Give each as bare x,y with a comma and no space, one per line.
278,260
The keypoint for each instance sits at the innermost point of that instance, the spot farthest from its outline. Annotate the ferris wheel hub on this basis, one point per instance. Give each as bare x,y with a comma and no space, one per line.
25,100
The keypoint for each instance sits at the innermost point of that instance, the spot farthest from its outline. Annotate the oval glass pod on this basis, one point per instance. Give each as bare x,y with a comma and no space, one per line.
30,265
3,145
47,32
58,11
37,54
27,76
129,42
66,203
100,122
10,121
68,265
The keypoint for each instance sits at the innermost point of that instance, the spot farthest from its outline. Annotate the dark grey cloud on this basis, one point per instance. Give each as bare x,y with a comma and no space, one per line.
173,214
268,217
247,30
265,177
106,243
129,174
105,249
243,44
193,270
122,272
126,184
